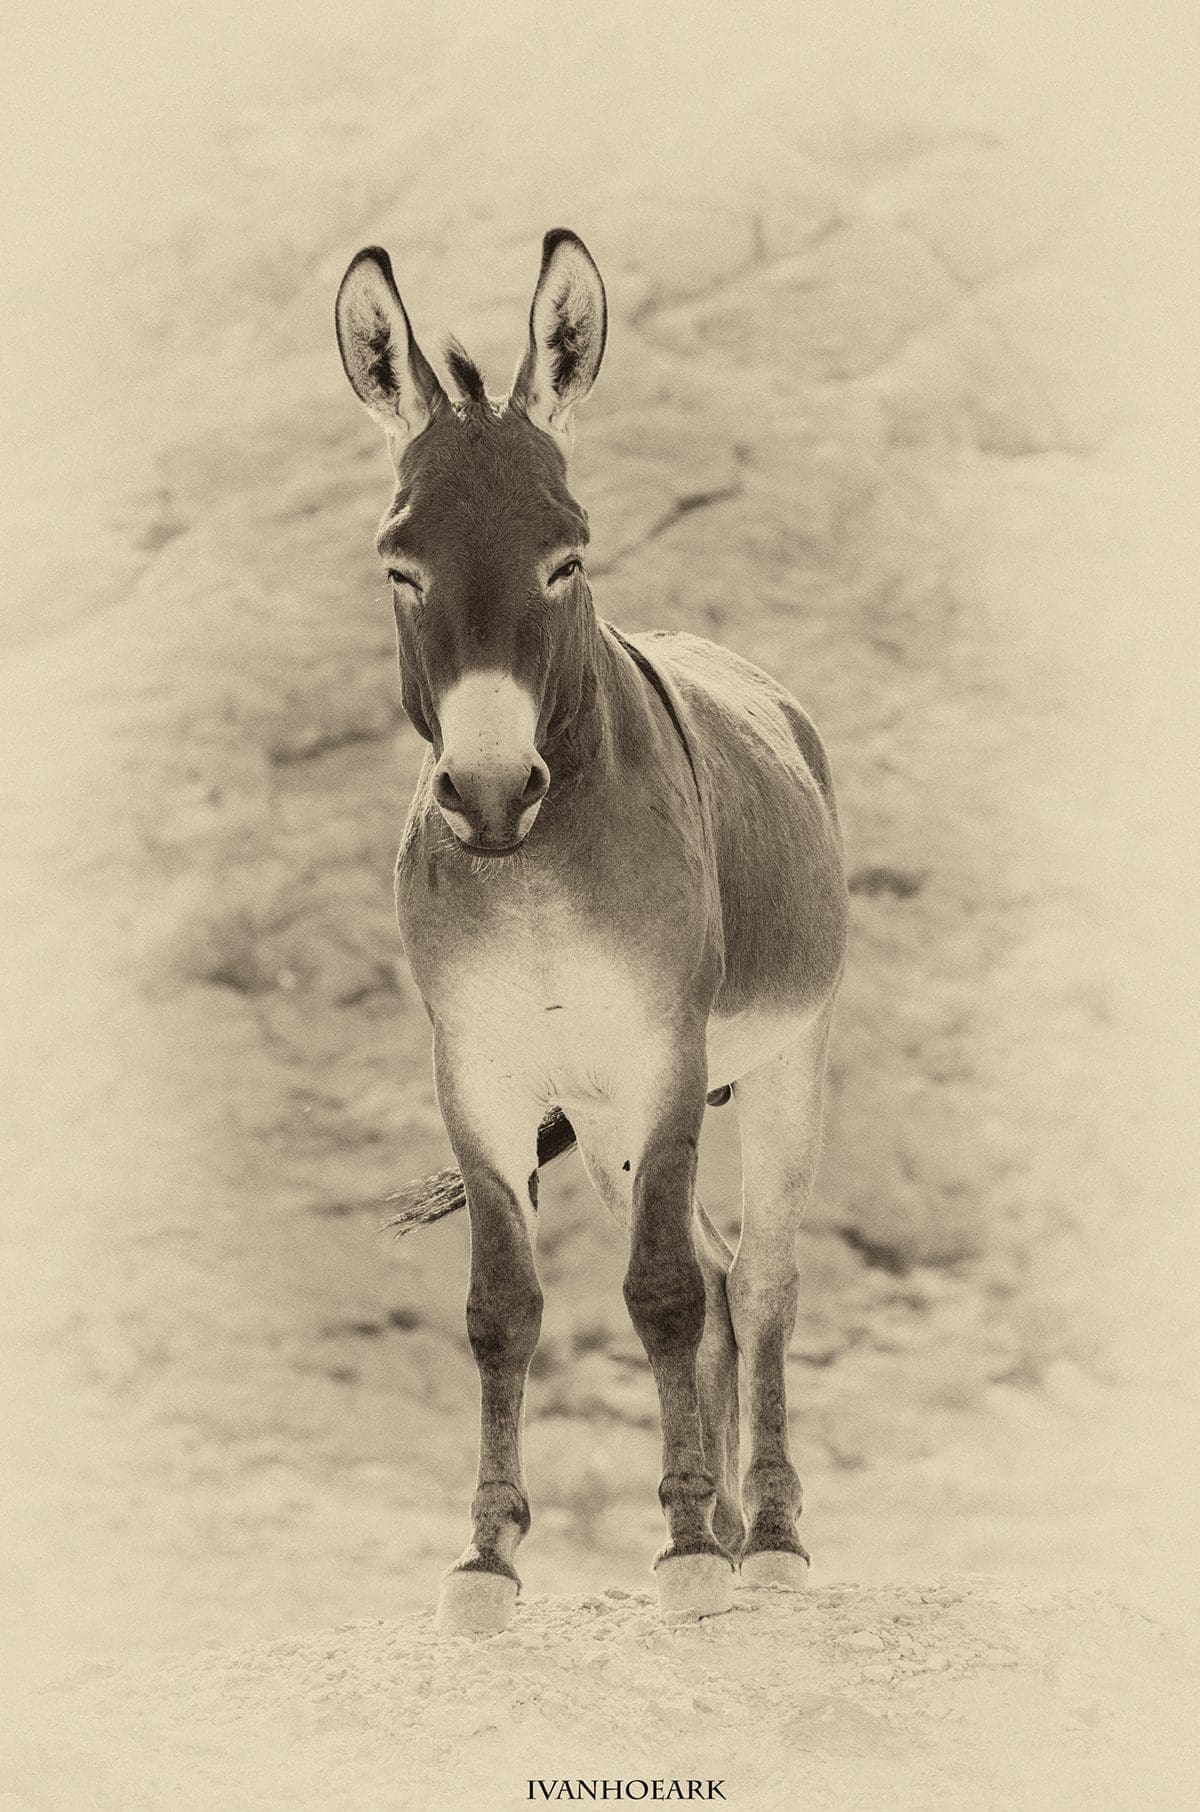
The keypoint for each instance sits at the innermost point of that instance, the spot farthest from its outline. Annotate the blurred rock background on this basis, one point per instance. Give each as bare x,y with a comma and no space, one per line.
866,417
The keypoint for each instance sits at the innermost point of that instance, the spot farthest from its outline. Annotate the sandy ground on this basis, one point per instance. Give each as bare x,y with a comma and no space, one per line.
893,1696
899,402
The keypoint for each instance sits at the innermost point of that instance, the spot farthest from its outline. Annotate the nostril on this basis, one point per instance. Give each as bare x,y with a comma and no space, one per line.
445,791
536,784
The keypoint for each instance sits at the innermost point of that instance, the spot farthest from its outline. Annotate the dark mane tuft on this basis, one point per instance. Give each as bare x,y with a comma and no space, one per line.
466,374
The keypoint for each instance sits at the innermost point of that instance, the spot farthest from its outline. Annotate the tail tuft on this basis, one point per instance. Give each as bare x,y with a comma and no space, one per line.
432,1198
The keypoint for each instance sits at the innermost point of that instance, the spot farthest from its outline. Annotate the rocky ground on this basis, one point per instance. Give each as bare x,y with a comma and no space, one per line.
914,1698
895,403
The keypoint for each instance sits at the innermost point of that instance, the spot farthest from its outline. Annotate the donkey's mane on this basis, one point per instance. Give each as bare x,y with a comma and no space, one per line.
466,375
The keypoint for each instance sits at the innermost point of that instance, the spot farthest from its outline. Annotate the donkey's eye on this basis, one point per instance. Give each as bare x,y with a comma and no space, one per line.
399,578
568,567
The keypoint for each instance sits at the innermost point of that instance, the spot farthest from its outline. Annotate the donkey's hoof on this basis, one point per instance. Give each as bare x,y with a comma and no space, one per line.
693,1585
475,1604
776,1568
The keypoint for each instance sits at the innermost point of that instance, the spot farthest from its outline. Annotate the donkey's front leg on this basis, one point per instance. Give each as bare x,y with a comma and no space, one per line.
664,1290
498,1159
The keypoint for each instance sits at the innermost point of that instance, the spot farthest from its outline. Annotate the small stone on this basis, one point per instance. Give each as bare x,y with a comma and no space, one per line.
878,1670
863,1640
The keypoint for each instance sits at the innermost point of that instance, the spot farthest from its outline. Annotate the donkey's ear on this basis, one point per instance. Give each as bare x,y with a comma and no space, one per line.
390,374
567,327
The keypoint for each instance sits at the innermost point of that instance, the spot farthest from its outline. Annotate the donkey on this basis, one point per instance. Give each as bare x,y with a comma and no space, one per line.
621,895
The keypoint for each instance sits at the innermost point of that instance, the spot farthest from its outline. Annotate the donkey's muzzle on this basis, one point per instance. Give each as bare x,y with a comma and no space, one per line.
491,809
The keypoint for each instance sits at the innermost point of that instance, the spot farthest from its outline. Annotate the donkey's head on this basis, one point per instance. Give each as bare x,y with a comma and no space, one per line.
483,542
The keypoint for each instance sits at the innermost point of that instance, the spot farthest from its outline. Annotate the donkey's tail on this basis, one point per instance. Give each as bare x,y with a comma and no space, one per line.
434,1197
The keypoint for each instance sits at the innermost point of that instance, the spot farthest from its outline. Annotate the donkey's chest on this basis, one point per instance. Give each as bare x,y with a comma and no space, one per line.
537,996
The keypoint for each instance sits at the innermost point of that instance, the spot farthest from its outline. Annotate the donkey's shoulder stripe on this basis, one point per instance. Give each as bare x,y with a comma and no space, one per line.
650,671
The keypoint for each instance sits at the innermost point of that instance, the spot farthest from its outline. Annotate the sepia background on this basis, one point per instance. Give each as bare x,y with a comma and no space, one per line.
900,402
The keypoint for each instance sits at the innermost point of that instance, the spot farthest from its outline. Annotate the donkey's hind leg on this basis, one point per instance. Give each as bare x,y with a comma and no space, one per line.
717,1375
495,1141
779,1118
